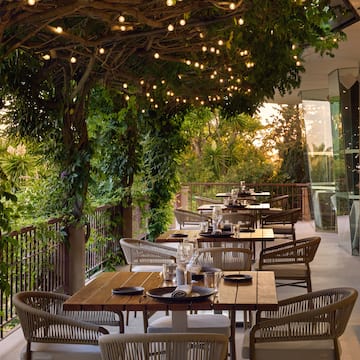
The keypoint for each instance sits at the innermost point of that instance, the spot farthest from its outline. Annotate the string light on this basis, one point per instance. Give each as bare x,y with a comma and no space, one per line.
156,55
31,2
101,51
46,57
170,27
241,21
170,2
73,60
182,22
121,18
59,29
232,6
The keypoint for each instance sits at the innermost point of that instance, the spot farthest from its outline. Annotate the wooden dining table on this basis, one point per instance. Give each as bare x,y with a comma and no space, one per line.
262,235
257,294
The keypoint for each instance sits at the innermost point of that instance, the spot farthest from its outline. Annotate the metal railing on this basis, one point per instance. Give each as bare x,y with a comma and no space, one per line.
34,259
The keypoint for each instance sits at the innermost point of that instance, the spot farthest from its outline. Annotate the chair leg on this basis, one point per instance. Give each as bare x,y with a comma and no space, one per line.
28,350
121,322
232,334
308,284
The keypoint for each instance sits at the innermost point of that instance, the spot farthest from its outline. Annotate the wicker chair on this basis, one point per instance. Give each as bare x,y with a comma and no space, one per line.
303,327
290,261
43,320
246,220
225,258
143,253
282,222
184,217
277,203
176,346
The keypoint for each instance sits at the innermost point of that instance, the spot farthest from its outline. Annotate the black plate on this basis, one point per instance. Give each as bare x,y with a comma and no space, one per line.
238,278
247,230
178,235
237,206
220,235
128,290
203,270
164,294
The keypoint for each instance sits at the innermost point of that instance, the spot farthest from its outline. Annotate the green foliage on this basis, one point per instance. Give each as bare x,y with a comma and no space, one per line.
7,198
116,140
163,145
30,97
286,135
222,149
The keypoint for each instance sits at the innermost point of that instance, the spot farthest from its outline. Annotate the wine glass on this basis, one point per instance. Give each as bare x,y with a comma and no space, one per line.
234,195
185,253
217,216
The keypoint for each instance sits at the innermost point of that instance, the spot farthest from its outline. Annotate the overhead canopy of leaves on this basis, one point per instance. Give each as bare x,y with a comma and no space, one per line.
219,53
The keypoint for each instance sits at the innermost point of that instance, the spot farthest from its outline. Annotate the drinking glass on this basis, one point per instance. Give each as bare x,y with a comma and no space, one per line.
217,216
234,195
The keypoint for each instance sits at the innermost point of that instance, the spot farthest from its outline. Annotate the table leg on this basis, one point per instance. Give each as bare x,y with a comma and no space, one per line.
232,314
179,321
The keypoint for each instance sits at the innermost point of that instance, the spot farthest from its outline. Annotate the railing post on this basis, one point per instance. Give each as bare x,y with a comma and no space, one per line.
306,215
184,197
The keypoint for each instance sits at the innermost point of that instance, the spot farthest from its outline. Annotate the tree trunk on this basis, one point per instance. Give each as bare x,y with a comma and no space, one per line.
75,259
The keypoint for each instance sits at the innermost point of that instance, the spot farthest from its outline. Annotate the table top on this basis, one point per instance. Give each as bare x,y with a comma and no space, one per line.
209,207
260,234
259,294
260,193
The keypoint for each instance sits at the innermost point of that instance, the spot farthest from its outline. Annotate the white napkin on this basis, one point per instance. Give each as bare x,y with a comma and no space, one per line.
182,291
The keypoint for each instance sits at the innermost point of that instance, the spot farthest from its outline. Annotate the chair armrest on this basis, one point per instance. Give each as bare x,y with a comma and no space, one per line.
283,255
299,304
300,251
40,326
159,251
307,325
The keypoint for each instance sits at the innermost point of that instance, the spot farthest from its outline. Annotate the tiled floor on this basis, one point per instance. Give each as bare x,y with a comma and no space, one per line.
333,267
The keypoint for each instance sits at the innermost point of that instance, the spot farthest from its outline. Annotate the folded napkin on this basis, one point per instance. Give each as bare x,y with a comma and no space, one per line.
181,291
